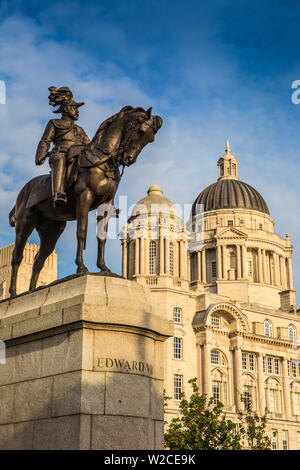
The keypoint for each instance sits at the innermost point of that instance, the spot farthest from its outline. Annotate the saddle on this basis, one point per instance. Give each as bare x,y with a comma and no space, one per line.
78,157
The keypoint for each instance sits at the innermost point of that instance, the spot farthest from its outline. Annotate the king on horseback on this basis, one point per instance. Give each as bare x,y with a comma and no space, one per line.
64,134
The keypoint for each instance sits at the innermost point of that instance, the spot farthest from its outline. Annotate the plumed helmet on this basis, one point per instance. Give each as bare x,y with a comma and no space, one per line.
62,97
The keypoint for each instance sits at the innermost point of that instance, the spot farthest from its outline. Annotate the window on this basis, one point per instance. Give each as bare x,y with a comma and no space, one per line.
272,400
274,439
214,269
276,366
177,348
177,315
288,368
216,391
260,226
214,356
268,329
251,361
152,257
294,368
244,361
247,396
249,267
178,388
230,223
292,333
264,363
285,439
215,321
270,365
171,259
296,399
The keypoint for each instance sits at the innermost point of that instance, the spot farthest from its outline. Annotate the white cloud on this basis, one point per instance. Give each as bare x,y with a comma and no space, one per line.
182,160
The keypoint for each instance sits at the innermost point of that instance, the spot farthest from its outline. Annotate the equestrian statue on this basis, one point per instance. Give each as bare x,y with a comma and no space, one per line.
84,175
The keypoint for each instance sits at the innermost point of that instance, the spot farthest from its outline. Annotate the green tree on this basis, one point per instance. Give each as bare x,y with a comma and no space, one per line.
201,425
252,427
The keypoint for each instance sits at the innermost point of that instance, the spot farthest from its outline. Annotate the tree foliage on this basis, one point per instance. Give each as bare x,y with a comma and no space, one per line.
202,425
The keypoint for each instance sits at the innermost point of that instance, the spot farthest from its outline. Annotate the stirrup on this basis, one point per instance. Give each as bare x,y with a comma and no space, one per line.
59,198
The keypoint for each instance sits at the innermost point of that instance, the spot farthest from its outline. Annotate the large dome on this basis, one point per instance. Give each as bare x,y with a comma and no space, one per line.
230,194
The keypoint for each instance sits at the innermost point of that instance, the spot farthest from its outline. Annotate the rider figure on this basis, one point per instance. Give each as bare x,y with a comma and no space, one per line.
64,133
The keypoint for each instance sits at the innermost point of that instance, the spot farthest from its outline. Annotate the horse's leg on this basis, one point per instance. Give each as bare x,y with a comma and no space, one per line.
82,212
48,237
23,231
102,225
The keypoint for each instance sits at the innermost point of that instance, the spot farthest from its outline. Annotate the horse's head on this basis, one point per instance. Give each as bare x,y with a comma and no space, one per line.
126,133
139,130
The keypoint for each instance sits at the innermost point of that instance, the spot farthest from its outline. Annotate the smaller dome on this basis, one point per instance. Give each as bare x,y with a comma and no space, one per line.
154,202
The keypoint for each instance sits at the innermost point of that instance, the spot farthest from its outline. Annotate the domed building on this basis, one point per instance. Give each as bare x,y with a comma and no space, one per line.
225,281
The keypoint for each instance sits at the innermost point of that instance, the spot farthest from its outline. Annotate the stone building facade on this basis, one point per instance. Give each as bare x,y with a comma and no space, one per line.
47,275
227,286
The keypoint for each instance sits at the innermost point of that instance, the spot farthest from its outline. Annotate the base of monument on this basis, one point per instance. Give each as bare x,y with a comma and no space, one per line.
84,366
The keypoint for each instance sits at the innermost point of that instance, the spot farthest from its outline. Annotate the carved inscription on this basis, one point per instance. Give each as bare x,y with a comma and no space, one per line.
123,365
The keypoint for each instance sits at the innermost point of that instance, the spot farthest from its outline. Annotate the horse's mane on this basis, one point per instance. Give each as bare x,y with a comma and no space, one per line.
125,110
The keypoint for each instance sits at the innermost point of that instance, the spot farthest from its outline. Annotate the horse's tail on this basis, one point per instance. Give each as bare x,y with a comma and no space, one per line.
11,217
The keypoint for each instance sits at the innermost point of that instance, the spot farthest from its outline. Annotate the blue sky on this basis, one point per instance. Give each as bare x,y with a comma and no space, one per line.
213,69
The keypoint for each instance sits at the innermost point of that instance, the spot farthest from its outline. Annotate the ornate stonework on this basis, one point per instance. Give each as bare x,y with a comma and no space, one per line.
231,299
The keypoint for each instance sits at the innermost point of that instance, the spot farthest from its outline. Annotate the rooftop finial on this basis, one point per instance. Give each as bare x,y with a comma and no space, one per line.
227,148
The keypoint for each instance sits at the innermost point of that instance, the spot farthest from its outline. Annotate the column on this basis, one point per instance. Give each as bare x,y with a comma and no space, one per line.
199,266
167,255
189,266
182,260
276,272
244,262
290,272
203,266
161,255
264,267
237,362
199,347
238,262
206,379
283,272
142,255
286,389
146,255
219,263
137,257
225,264
261,385
124,258
259,260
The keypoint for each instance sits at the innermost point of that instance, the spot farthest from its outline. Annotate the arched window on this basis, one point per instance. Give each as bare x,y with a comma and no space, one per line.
292,333
268,328
177,315
171,259
152,257
217,357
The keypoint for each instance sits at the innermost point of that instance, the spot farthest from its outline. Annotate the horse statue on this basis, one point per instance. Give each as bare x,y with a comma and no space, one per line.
93,177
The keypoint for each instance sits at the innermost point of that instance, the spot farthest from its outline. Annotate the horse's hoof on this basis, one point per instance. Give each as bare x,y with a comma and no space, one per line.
82,270
105,271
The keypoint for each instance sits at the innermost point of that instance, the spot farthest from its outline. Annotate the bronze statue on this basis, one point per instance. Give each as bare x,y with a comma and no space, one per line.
93,177
64,134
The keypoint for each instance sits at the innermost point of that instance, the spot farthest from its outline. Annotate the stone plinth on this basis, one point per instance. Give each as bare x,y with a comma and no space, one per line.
84,367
